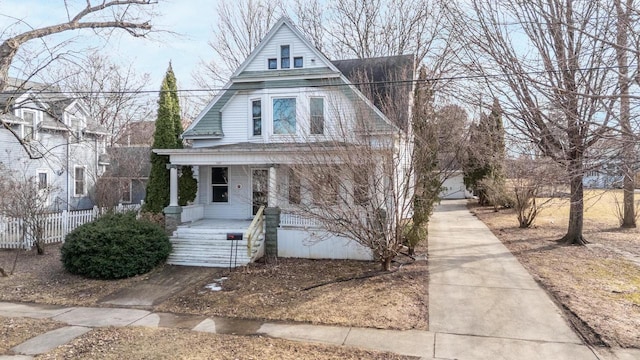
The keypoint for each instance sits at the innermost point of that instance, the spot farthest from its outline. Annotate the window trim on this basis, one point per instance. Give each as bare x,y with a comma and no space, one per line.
83,180
39,180
295,114
288,57
311,117
252,118
220,185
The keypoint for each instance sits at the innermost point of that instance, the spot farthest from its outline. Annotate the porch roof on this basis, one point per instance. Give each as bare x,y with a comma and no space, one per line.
256,153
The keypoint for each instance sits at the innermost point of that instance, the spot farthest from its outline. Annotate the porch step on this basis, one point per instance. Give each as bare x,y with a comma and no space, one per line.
199,233
210,250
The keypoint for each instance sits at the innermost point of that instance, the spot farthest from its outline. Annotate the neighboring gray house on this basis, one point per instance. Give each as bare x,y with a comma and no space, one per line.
129,163
59,130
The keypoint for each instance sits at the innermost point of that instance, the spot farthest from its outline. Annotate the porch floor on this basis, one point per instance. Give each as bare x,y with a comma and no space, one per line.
218,224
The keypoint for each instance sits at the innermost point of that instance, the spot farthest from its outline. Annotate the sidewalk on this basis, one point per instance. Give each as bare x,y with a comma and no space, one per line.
482,305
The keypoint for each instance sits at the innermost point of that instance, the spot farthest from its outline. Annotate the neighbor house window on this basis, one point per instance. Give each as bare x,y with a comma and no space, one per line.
294,187
42,180
79,183
125,191
297,62
316,108
284,116
284,57
273,64
29,117
256,115
220,184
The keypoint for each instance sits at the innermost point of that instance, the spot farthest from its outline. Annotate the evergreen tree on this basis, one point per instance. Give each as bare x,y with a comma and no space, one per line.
187,184
167,136
157,197
486,153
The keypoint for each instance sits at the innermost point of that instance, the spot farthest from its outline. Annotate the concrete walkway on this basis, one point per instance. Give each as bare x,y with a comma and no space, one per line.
483,301
482,305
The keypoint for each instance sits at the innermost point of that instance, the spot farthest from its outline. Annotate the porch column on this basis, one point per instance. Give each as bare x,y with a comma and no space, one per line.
272,216
173,185
272,200
173,212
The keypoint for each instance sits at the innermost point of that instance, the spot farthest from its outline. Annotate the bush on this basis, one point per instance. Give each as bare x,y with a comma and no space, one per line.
115,246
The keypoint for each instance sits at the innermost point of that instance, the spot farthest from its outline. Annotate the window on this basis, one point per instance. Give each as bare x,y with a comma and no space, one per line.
297,62
220,184
273,63
79,188
42,180
284,116
256,114
125,191
325,185
294,187
361,184
284,57
29,117
316,109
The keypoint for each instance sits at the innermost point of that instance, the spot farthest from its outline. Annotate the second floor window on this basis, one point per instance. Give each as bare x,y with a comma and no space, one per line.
284,116
29,118
256,115
316,112
285,60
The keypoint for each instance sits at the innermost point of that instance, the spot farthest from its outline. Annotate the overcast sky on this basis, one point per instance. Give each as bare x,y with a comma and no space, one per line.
192,19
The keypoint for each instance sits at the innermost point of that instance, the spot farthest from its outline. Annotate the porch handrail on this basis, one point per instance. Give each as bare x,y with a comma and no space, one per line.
255,229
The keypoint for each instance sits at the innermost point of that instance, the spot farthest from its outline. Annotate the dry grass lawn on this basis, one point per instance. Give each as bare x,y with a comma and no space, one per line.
15,331
396,300
598,285
147,343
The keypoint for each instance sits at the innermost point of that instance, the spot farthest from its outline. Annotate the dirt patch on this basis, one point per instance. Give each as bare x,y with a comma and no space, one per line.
598,285
15,331
146,343
395,300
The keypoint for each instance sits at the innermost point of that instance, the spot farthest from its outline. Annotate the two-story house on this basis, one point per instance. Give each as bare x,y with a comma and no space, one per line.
66,144
287,106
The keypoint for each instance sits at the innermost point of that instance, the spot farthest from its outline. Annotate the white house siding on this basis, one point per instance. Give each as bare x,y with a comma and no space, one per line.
284,36
239,205
318,244
237,121
454,188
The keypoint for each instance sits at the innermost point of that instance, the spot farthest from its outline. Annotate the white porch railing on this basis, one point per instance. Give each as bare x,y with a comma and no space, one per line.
192,213
255,230
296,220
55,226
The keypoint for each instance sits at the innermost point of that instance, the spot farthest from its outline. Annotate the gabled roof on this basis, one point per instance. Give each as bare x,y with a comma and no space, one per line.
208,123
386,81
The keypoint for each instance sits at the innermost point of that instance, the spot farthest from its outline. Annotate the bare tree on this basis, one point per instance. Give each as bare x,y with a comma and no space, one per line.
557,88
26,198
623,27
240,27
104,15
111,92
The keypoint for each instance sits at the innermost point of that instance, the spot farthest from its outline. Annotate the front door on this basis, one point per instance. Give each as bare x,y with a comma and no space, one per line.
260,188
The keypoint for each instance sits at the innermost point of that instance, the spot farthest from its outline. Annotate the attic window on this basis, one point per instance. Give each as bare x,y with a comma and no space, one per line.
297,62
273,64
285,60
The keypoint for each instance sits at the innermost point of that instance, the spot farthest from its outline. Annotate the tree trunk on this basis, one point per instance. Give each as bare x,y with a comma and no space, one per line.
2,272
386,263
576,210
628,143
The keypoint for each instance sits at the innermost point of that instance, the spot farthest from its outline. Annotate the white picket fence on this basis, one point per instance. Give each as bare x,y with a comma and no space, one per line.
56,226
